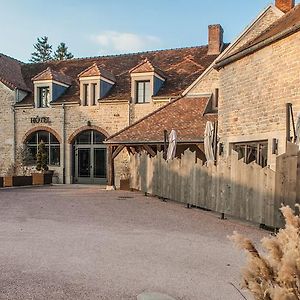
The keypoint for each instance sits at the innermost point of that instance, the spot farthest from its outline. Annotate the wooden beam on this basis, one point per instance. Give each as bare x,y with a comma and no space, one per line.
117,151
111,167
149,150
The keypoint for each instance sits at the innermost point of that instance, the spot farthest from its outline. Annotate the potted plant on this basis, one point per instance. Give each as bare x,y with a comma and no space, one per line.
17,174
44,176
125,176
8,177
22,176
1,172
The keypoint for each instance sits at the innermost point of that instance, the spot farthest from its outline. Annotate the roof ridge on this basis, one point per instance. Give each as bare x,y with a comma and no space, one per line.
118,55
8,56
256,40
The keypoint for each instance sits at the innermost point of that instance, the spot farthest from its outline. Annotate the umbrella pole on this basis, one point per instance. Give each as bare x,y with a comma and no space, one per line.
165,143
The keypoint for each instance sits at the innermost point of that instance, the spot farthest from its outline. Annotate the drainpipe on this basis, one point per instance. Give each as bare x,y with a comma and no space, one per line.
64,143
14,127
288,122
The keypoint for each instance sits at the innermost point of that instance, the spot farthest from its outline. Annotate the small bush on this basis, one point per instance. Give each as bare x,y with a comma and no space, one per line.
42,158
276,274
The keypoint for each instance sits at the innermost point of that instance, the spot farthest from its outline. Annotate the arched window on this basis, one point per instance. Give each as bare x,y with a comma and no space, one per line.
90,137
52,146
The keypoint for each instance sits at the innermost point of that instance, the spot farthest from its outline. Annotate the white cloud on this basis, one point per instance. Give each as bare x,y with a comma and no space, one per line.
123,42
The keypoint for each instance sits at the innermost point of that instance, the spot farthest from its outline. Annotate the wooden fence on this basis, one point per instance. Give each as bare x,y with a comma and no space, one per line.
246,191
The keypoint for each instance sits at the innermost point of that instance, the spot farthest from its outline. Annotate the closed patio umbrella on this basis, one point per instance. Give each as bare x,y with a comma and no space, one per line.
208,141
172,145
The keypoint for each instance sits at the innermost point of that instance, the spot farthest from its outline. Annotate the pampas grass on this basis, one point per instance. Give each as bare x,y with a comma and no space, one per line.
274,274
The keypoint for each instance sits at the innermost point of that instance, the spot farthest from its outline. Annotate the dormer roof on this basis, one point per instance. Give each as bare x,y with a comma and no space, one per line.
97,70
146,66
49,74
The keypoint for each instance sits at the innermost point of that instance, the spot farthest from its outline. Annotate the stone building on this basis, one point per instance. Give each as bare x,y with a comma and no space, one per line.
207,89
74,105
256,81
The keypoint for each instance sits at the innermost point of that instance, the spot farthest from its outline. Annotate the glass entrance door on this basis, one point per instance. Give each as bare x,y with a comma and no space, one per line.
90,158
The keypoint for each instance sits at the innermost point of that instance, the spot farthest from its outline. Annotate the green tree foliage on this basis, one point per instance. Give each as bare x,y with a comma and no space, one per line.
23,159
43,50
62,52
42,158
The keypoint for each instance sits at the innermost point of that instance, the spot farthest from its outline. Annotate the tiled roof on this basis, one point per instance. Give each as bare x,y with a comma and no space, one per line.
96,70
180,67
10,73
49,74
146,66
284,26
185,115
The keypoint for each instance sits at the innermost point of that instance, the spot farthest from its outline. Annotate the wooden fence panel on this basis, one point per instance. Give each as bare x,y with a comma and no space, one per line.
246,191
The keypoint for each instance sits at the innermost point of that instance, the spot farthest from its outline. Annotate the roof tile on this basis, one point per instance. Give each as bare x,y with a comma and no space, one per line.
185,115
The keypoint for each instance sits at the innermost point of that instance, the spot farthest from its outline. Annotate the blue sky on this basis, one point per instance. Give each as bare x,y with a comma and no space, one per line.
96,27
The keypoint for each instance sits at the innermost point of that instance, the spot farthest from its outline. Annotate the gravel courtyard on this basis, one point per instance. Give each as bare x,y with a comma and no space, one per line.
81,242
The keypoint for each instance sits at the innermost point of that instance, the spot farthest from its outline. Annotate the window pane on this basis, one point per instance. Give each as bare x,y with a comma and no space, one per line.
44,97
33,152
147,91
43,136
253,151
53,139
32,139
94,85
85,94
54,156
99,163
98,137
84,138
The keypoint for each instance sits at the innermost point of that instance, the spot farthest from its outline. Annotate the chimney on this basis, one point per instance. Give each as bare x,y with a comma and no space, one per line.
285,5
215,39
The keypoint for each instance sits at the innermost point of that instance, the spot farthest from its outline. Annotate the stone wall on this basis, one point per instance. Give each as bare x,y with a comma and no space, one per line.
107,117
254,91
7,129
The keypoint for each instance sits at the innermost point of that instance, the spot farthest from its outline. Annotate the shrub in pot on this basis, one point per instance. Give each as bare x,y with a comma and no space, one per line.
44,176
12,179
125,177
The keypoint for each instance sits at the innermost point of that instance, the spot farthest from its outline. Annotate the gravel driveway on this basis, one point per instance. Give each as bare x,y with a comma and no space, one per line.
81,242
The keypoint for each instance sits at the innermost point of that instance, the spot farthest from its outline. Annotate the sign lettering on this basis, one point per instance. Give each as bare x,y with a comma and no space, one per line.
37,120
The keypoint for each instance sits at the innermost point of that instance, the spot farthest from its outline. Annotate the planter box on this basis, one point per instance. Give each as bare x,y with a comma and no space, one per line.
1,182
42,178
17,181
125,184
8,181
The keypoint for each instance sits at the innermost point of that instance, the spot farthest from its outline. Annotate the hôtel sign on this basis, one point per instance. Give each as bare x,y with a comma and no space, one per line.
38,120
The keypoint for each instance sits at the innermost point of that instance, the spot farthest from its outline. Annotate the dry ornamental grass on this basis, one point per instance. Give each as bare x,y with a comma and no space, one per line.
275,274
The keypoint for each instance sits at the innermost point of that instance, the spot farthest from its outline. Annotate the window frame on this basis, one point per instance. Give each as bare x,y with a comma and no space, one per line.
248,147
51,144
144,100
85,94
40,103
93,94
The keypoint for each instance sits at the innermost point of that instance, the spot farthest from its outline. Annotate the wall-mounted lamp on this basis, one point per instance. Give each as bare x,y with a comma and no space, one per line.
221,148
88,123
275,146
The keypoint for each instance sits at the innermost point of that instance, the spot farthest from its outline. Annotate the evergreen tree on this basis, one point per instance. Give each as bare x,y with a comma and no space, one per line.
62,53
43,50
42,158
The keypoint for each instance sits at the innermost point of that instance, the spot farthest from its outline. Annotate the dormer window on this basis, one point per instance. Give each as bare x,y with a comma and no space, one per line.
146,81
143,93
43,96
49,85
95,84
85,94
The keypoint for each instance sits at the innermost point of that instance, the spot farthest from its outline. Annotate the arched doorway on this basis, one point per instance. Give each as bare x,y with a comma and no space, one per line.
89,154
